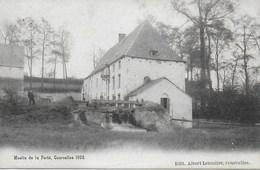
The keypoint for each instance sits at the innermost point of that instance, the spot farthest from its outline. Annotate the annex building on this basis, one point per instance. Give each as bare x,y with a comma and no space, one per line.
11,67
141,66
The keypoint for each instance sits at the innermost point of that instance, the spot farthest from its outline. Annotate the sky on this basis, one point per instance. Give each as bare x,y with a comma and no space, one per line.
97,23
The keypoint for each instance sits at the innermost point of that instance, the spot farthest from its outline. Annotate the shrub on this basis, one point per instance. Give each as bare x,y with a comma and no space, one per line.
152,117
64,107
12,102
229,105
12,96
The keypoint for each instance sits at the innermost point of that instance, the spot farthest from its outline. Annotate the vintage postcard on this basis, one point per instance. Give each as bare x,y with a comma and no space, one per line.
130,84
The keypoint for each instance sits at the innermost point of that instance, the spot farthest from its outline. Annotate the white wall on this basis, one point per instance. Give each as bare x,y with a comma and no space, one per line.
11,72
137,69
94,86
180,102
132,72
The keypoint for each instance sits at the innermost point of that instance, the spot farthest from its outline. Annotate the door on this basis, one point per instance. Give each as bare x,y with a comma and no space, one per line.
165,103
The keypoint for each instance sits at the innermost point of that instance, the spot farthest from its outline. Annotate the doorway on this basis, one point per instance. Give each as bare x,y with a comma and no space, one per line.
165,101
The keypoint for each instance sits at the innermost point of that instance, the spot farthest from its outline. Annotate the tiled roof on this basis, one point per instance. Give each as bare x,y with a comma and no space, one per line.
139,43
11,55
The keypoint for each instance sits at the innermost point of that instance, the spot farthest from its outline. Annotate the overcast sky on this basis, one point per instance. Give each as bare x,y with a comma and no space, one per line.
97,22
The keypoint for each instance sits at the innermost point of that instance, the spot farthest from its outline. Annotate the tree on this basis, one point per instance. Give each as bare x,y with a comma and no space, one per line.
10,32
190,50
173,36
30,32
185,43
205,13
244,42
234,65
221,37
97,55
55,55
64,43
46,32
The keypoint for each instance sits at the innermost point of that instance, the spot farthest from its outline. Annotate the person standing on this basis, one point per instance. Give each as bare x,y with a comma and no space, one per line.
31,98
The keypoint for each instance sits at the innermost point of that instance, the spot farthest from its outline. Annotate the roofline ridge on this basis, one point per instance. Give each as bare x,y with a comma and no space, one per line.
155,81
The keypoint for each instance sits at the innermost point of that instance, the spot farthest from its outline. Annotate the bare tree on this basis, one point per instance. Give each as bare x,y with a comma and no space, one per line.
46,32
55,56
97,55
30,32
221,37
244,42
10,32
64,44
234,66
256,35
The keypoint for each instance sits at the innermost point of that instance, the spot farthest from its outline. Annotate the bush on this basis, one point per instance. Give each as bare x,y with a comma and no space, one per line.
64,107
12,102
229,105
12,96
152,117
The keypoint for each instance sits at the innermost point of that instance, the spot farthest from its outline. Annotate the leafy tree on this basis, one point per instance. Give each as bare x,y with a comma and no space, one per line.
204,14
191,51
185,43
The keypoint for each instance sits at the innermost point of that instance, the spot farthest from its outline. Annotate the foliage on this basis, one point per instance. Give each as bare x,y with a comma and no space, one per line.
40,40
13,97
229,105
64,107
152,117
12,102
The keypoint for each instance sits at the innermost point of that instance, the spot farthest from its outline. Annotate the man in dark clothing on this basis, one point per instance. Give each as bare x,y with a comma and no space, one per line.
31,98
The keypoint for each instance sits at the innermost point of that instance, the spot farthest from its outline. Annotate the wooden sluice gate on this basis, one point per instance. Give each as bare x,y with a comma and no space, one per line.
114,111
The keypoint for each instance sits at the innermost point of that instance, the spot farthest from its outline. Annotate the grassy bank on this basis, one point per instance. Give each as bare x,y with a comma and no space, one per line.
61,137
47,127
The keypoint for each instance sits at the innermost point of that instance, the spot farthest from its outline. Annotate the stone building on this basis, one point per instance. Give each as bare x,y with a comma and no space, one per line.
141,66
11,66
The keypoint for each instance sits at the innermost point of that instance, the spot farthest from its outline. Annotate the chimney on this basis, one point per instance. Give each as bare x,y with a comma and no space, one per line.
121,36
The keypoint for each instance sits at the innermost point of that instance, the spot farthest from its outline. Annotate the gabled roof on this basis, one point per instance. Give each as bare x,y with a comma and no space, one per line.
11,56
148,85
139,43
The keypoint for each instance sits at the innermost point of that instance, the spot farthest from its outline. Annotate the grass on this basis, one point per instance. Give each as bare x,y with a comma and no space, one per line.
61,137
45,128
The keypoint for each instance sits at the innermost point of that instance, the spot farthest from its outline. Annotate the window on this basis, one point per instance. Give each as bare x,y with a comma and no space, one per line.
119,80
118,96
119,64
113,81
114,67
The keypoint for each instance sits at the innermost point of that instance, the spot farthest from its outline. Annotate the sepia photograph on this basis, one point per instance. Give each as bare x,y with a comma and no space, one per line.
138,84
